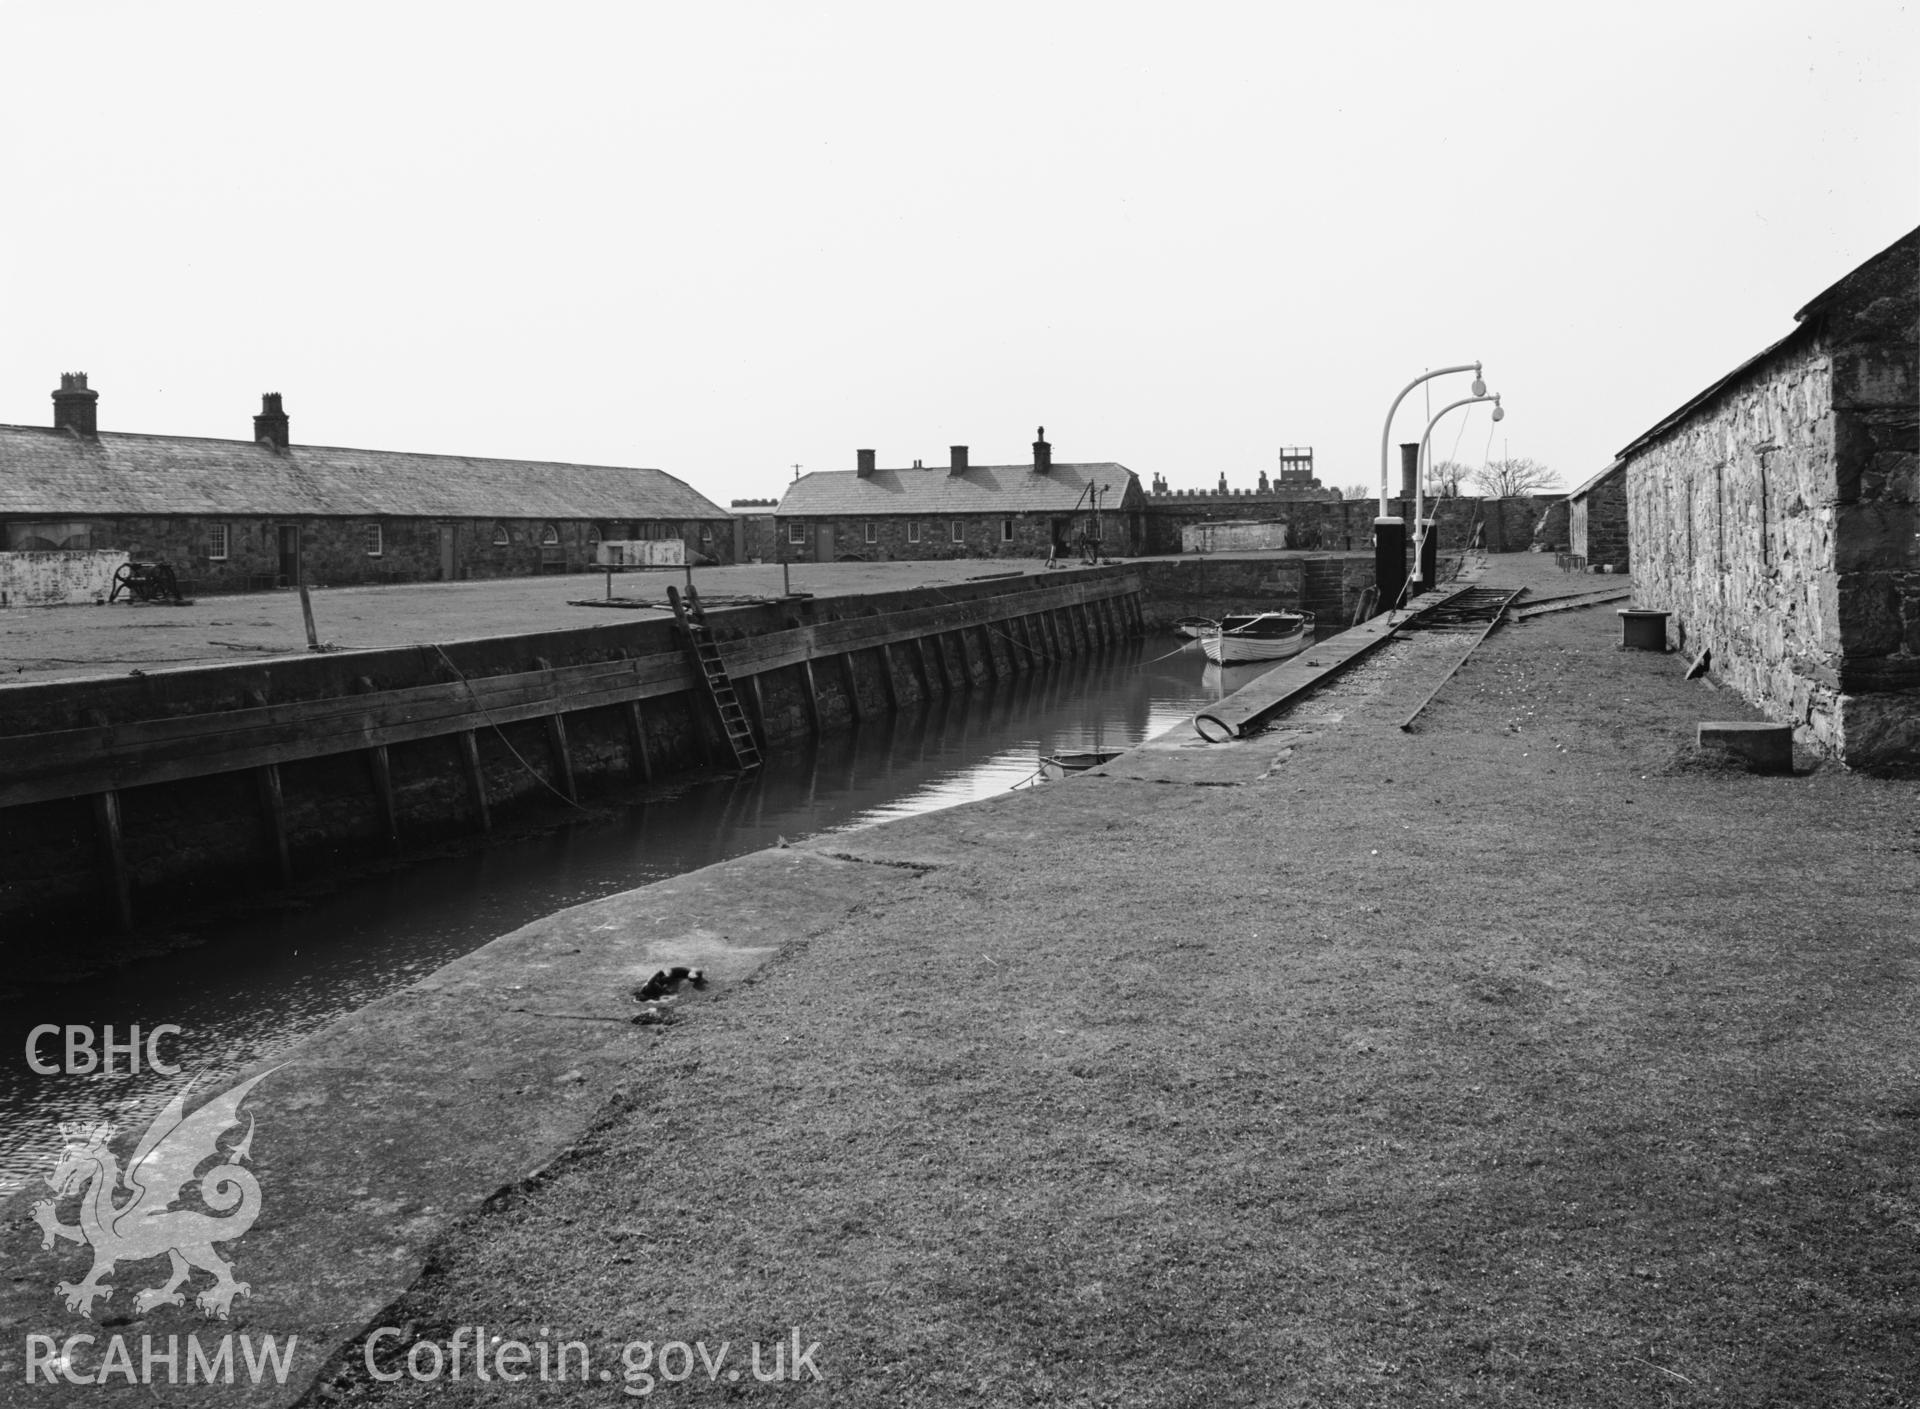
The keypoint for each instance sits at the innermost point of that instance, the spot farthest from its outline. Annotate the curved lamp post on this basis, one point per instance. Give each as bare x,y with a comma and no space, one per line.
1422,566
1389,533
1386,430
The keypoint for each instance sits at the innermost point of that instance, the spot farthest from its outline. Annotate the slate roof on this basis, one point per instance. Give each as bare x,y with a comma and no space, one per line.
1589,486
47,471
1811,321
934,493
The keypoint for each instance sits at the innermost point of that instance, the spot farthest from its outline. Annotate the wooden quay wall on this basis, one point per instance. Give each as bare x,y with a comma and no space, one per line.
126,801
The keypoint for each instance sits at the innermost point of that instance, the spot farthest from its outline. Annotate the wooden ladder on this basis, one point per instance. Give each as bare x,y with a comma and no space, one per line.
692,618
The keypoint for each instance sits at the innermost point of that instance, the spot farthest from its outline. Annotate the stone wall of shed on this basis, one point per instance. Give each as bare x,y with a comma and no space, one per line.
901,537
1597,523
333,551
1876,418
1733,530
1780,522
57,579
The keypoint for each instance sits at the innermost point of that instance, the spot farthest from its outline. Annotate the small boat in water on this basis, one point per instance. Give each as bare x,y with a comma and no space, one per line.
1058,765
1258,636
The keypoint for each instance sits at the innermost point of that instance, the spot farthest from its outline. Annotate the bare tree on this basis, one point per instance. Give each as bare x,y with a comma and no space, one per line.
1444,479
1356,491
1509,478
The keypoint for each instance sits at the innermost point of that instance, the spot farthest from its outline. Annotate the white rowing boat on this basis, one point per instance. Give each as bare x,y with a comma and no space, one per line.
1259,636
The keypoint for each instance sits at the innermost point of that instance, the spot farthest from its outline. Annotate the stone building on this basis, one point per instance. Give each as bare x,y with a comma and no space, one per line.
232,515
1774,515
960,510
753,530
1597,518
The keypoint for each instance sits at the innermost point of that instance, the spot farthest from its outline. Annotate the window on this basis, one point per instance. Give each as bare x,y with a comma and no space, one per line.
216,540
373,540
706,533
873,533
796,533
913,533
959,532
549,537
500,538
1006,530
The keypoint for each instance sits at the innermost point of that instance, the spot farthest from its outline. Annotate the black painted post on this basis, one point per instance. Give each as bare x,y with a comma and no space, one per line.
1389,560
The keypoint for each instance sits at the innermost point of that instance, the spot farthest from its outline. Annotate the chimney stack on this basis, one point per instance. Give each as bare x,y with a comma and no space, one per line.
1409,468
1042,453
270,426
75,408
957,465
866,464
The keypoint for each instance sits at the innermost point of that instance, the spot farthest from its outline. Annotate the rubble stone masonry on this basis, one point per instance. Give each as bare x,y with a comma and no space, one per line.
1776,519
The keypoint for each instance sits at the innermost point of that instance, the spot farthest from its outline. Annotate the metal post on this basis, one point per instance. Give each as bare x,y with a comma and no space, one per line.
1389,560
1421,521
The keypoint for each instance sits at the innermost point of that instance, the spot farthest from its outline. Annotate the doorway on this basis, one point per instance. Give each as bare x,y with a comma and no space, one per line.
289,555
823,543
447,545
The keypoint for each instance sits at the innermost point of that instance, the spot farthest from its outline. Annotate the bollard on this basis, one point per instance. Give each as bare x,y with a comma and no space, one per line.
1390,560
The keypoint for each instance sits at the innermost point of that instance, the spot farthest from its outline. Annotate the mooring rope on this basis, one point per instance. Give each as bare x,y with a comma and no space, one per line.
533,772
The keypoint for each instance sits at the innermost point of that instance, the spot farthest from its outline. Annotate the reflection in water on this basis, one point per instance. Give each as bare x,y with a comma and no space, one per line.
249,989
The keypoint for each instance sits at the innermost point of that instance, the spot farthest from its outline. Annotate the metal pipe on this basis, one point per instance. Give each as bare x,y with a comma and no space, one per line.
1386,431
1420,477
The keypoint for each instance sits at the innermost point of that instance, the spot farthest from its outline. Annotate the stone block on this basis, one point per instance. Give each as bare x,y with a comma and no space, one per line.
1767,747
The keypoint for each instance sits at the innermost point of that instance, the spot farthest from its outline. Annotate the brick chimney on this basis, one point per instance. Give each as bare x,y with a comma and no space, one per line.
270,426
865,471
1042,453
1409,468
75,408
957,464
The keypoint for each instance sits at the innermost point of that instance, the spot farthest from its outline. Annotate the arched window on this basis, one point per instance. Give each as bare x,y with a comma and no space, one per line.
550,536
500,536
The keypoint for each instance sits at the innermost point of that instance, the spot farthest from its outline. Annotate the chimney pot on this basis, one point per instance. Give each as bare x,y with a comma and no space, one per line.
957,463
1409,467
75,408
270,426
865,470
1042,453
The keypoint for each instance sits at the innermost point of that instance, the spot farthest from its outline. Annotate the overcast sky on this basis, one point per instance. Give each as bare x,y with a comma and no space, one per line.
721,239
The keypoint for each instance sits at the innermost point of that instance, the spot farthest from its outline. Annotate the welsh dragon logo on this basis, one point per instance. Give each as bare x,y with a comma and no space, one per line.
148,1224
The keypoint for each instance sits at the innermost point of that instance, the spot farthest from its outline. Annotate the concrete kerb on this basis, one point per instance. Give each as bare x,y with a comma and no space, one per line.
377,1133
